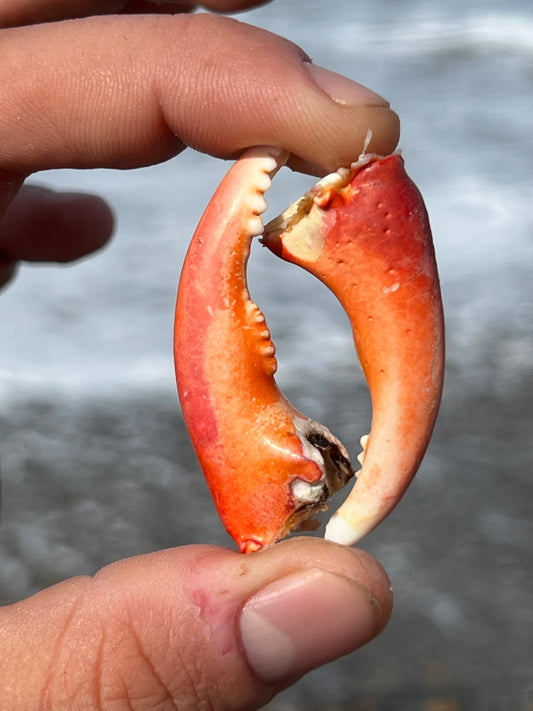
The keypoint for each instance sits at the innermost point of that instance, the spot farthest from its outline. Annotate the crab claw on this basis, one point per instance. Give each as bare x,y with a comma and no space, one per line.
365,233
268,466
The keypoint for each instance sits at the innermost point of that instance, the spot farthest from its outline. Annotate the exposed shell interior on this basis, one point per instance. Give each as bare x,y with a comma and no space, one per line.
315,196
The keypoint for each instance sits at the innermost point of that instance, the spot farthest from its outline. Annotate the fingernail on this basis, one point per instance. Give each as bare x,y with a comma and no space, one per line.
300,622
344,90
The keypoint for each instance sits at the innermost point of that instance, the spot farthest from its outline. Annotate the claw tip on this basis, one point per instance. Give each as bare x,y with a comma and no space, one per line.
339,530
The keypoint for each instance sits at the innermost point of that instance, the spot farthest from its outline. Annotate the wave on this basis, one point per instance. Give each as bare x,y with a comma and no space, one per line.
105,345
414,36
482,34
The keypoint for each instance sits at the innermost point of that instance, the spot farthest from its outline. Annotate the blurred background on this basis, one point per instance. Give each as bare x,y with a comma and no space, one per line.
96,464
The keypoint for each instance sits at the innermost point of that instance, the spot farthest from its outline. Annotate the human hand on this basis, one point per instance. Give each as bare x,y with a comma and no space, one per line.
190,628
126,91
197,625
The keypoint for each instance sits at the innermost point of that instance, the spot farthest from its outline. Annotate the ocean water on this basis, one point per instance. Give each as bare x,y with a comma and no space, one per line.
95,461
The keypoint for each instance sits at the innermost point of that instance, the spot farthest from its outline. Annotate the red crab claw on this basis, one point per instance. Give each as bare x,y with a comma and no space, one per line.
268,466
365,233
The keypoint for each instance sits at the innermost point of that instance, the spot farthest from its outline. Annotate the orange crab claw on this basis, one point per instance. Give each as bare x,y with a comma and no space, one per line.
268,466
365,233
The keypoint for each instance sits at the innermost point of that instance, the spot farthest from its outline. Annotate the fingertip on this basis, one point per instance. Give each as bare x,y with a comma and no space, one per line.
385,132
93,220
342,147
8,269
305,620
355,564
307,602
48,226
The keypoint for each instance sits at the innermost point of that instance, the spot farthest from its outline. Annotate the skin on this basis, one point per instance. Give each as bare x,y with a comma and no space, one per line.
159,630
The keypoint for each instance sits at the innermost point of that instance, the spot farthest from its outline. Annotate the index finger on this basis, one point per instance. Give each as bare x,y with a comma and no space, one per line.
127,91
14,13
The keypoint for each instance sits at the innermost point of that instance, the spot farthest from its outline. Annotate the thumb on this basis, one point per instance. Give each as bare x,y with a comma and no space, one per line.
190,628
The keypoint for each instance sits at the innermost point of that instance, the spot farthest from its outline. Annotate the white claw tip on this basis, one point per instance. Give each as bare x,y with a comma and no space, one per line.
339,530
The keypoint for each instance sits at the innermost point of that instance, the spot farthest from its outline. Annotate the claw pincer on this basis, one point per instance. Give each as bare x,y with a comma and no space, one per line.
267,465
363,232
